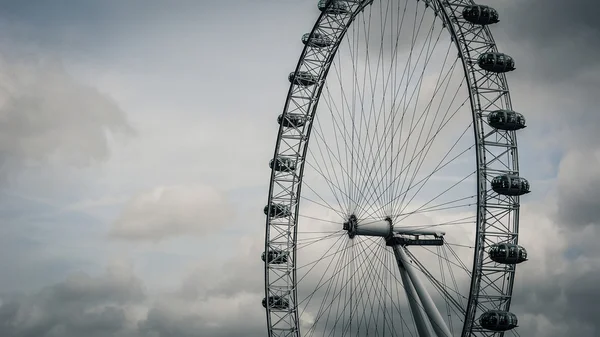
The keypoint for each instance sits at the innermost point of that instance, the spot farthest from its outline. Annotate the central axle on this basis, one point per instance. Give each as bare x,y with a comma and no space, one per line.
393,234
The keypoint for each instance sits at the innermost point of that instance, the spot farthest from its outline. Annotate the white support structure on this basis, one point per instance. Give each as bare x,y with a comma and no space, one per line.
437,322
413,300
385,228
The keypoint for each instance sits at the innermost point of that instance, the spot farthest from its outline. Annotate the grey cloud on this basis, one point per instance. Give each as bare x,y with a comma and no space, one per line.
162,323
546,21
223,299
556,86
117,304
556,291
584,296
93,306
217,298
48,116
559,94
579,189
92,27
118,285
567,302
560,37
200,287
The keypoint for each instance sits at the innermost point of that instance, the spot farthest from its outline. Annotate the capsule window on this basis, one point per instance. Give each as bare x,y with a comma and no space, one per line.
492,319
522,253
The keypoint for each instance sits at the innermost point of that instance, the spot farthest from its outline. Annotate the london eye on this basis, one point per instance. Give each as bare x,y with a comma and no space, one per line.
393,206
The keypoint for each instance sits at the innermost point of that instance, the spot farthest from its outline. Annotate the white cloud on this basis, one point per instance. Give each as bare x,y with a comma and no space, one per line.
173,211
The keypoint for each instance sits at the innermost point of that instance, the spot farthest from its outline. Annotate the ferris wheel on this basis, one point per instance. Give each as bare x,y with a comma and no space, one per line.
393,205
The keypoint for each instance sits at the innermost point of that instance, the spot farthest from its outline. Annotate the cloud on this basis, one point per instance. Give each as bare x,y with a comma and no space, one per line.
576,21
210,300
172,211
222,298
47,116
579,188
217,297
217,316
555,290
548,32
80,305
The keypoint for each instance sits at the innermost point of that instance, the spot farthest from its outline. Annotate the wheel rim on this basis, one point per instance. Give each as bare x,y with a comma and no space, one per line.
496,216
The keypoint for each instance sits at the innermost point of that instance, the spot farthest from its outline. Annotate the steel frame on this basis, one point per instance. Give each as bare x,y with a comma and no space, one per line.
496,153
410,280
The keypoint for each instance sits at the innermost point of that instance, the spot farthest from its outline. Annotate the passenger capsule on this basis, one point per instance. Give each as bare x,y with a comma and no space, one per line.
496,62
317,40
277,211
506,120
303,78
480,15
510,185
291,121
507,253
281,164
334,7
497,320
276,302
275,256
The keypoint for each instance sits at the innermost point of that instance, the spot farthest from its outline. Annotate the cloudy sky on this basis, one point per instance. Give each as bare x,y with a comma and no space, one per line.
134,142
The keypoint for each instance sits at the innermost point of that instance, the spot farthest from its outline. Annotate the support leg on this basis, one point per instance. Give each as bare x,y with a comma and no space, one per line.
413,300
437,322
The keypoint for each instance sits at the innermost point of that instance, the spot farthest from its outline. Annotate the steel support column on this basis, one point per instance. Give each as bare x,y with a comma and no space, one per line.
437,322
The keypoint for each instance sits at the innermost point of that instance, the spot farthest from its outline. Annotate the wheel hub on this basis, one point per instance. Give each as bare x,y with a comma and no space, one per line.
351,226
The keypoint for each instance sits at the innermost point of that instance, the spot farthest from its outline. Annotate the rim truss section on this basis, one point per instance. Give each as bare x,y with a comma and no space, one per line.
498,215
306,82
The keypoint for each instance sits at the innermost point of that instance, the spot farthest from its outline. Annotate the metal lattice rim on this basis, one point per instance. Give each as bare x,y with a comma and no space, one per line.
286,188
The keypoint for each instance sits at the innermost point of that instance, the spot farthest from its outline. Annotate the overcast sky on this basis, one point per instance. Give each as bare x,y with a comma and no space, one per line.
134,142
